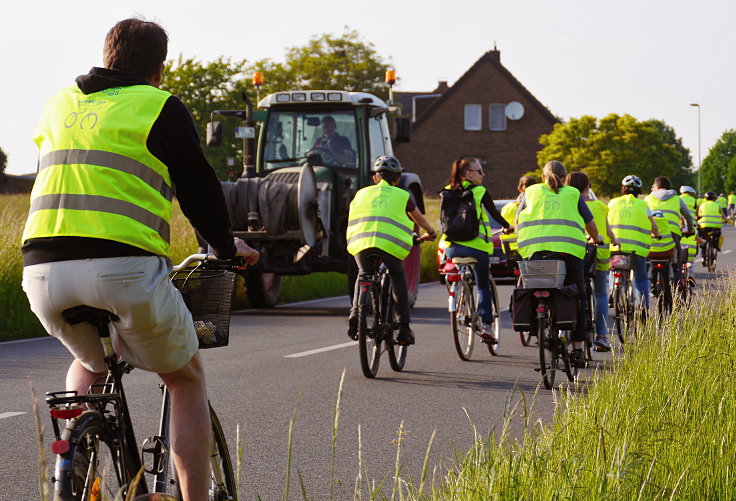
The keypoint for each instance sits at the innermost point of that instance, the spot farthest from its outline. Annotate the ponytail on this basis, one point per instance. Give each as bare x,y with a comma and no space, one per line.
554,171
459,167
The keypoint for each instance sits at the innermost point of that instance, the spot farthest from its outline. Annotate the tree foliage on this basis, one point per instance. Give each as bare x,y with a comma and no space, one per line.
344,62
610,148
719,167
3,162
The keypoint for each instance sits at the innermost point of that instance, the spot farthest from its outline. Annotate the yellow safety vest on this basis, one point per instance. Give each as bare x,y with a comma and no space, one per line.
670,208
731,199
710,215
378,218
629,220
551,222
722,202
689,201
508,212
484,240
666,242
603,252
691,245
96,177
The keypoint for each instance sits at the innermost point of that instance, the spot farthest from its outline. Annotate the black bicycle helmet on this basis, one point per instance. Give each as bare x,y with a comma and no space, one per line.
711,195
387,163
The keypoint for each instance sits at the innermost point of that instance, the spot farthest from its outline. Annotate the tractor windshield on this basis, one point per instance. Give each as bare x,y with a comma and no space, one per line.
329,137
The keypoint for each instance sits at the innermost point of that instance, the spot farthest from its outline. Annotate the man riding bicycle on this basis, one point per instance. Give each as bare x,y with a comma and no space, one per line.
112,148
710,219
380,222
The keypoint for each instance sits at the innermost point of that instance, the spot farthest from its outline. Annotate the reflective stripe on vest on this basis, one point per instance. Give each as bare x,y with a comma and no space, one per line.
666,242
551,222
484,240
96,177
710,215
670,208
369,225
602,252
630,224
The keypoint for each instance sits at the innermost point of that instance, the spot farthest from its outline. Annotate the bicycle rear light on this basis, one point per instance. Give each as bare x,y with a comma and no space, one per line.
659,266
540,309
453,277
60,447
517,272
69,413
539,294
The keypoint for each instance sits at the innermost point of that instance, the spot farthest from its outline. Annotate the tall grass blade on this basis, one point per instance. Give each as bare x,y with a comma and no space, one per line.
335,422
289,448
43,481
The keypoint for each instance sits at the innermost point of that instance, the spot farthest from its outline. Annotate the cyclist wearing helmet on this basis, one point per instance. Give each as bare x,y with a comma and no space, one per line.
380,221
551,224
633,225
723,203
687,195
664,198
467,173
710,218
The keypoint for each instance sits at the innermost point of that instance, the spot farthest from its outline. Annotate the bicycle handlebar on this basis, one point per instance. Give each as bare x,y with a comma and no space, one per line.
202,258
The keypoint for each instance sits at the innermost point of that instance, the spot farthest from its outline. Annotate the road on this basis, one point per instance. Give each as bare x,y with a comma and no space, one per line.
289,361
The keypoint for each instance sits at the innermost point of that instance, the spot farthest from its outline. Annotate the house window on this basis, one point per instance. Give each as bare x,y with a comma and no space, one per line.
473,116
497,116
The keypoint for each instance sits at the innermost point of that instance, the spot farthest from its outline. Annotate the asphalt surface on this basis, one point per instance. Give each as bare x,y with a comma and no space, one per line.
289,361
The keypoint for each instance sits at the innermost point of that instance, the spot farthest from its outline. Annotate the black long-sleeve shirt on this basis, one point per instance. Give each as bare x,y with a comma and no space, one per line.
174,141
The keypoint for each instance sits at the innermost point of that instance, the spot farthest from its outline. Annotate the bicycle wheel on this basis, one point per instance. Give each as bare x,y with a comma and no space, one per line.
92,467
712,254
621,313
396,353
525,338
494,348
222,486
462,321
369,339
549,360
590,331
565,353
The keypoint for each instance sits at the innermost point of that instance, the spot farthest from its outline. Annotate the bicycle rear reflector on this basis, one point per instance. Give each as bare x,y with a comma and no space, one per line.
539,294
60,447
69,413
453,277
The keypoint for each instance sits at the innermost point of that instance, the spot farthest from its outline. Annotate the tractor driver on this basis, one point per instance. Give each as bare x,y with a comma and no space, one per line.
337,145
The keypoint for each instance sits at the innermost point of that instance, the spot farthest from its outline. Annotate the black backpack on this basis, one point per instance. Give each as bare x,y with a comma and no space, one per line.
458,215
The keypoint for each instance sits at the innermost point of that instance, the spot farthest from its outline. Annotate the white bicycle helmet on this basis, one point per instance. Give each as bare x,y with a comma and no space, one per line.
687,189
631,180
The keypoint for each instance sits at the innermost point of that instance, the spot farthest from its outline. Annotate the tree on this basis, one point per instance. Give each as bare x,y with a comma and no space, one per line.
615,146
718,172
3,164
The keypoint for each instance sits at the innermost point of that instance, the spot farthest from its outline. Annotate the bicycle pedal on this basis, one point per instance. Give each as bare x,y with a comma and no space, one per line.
155,446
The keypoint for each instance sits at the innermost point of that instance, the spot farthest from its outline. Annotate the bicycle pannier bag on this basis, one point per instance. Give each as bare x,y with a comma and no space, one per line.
522,309
565,307
458,215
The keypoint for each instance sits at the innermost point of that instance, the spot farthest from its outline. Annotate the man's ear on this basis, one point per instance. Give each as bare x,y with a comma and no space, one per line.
156,78
376,179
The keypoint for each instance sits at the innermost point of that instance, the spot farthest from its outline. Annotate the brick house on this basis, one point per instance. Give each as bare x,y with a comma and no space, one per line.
474,118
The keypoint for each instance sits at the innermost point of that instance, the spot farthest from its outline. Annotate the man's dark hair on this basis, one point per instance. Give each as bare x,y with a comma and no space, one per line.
663,183
136,46
329,119
631,190
389,177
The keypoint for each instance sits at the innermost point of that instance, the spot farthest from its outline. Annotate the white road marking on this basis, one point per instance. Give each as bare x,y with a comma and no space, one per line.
321,350
42,338
4,415
726,251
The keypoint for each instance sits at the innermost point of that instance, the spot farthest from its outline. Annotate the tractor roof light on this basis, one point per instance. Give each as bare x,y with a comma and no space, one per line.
257,78
390,77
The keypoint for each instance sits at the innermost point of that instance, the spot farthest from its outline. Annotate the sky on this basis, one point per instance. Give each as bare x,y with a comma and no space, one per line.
647,58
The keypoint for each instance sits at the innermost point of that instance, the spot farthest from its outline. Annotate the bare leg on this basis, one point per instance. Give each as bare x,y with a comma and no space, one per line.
78,378
190,428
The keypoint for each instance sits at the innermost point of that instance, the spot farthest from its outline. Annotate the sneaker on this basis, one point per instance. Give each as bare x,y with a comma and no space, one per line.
353,328
406,336
487,334
577,359
610,300
601,344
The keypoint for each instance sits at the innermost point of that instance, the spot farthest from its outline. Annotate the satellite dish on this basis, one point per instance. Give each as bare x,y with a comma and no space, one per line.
514,110
307,198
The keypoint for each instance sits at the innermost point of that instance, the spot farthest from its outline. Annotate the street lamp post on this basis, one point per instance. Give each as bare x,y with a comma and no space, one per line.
700,165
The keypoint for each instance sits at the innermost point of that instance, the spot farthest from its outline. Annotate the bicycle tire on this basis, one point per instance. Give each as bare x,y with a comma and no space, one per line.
713,255
88,438
620,313
462,321
396,352
495,348
369,340
590,321
525,338
565,353
548,356
222,485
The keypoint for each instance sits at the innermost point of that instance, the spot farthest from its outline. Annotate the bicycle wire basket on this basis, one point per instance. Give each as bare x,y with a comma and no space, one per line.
208,295
542,274
621,262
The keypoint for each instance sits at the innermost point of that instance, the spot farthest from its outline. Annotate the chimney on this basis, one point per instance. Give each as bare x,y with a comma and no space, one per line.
441,87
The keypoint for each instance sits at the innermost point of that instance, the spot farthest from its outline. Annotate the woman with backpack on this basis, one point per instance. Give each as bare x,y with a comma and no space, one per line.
466,227
551,224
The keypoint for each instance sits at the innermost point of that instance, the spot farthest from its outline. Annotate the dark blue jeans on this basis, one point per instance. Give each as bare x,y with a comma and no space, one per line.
481,270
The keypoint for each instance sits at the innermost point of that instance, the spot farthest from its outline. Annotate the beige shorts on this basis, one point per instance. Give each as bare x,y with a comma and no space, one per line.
155,331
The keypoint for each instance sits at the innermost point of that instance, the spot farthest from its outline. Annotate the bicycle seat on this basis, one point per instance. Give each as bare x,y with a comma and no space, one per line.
464,260
84,313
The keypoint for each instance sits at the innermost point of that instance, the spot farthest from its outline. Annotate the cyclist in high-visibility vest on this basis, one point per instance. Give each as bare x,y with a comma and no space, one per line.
663,198
633,225
731,204
599,210
687,195
111,149
467,173
381,221
508,212
710,218
723,204
551,224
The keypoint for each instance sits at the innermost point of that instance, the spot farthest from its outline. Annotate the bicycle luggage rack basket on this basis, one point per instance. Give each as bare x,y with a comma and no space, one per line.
208,295
621,262
542,274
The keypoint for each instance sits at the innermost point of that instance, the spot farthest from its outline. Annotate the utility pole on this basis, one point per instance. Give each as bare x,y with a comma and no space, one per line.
700,165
